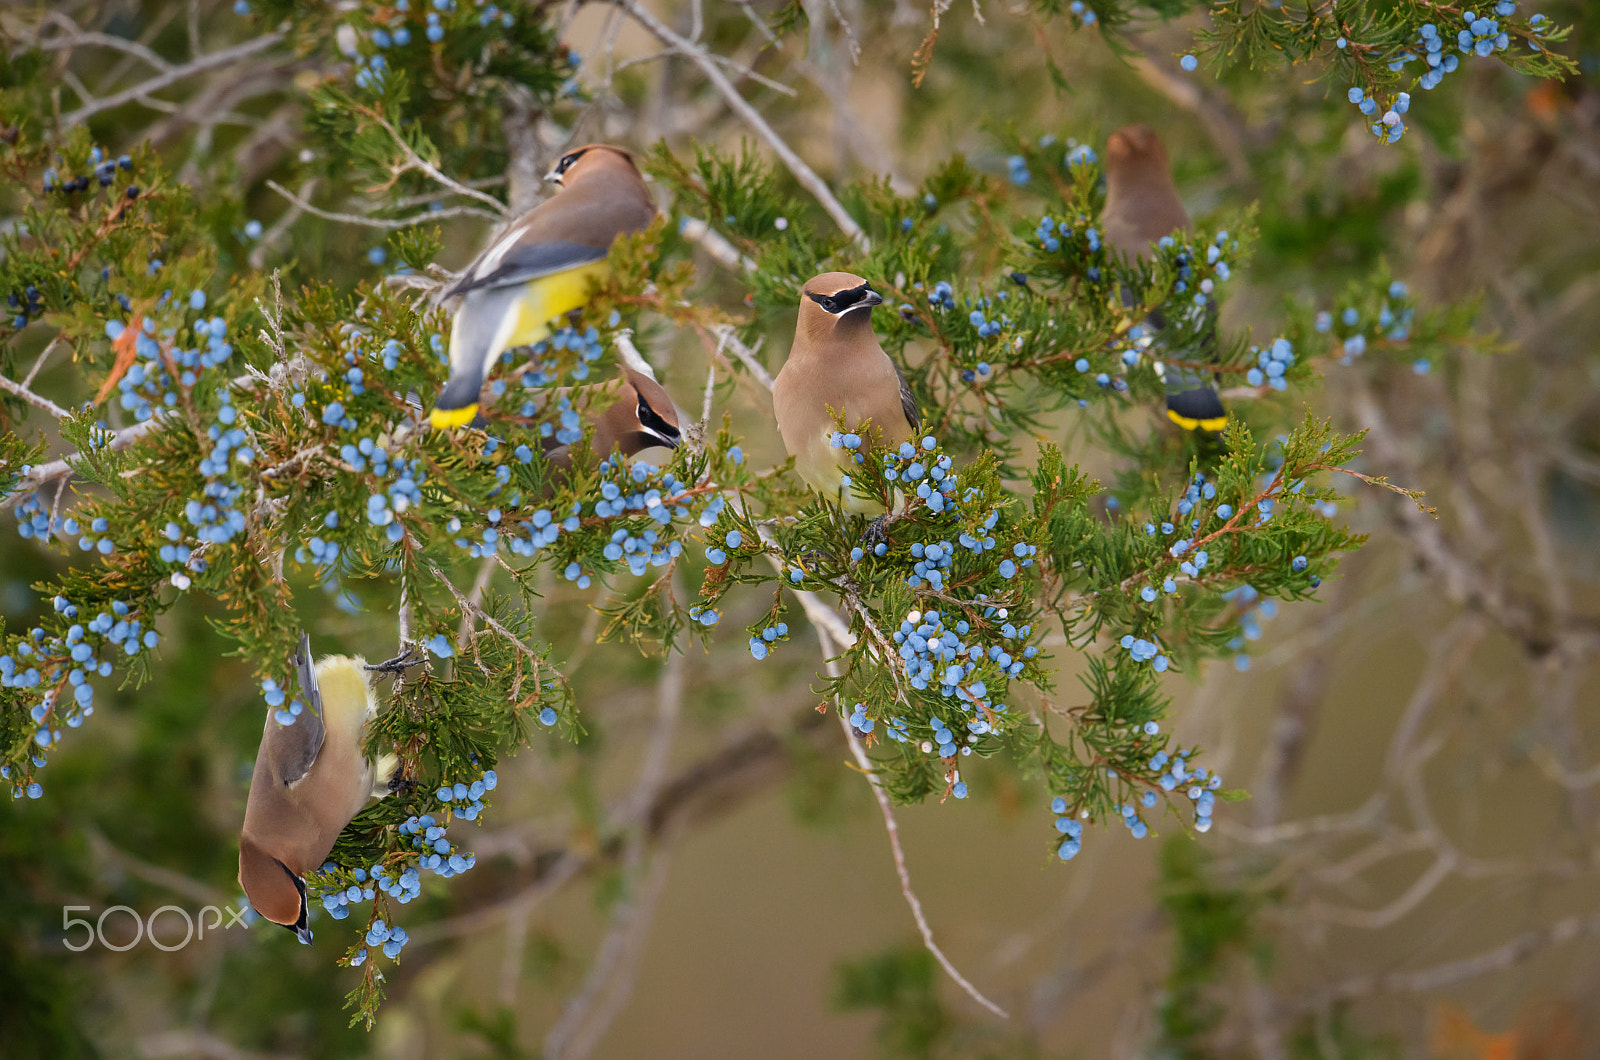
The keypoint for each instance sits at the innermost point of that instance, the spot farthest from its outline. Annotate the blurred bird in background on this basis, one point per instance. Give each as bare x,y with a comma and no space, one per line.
1142,205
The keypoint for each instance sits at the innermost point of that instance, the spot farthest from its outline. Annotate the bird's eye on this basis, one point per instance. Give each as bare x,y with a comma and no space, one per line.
829,304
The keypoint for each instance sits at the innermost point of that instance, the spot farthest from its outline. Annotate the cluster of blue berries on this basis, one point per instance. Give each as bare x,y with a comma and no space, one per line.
1389,126
759,644
392,939
936,656
33,515
1145,651
1253,608
42,660
1174,770
1069,827
988,328
403,888
439,855
1392,322
396,33
1049,232
146,384
1479,35
567,351
105,171
944,743
29,305
1271,363
934,479
1017,170
470,796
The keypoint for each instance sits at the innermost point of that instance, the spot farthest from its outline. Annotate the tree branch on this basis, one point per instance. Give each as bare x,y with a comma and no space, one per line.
804,174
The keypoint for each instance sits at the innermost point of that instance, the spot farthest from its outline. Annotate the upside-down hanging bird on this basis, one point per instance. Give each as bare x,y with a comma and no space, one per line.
540,268
1142,205
311,778
836,363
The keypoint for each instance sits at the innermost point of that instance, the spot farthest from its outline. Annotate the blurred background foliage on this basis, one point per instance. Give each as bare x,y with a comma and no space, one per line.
1414,873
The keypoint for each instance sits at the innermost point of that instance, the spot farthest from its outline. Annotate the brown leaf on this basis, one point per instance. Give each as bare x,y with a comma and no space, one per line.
125,345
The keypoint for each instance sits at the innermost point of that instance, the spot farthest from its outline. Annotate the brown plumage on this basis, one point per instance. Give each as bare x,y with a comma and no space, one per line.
1142,206
1142,203
311,778
541,267
836,363
643,417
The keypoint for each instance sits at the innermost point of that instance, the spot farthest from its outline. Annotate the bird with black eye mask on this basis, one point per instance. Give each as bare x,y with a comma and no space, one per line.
837,367
642,418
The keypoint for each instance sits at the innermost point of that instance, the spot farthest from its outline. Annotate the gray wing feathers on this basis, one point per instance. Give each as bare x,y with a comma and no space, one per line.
908,401
294,748
500,266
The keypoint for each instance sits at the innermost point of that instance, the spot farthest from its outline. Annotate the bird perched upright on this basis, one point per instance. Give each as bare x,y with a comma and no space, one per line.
540,268
643,417
1142,205
836,363
311,778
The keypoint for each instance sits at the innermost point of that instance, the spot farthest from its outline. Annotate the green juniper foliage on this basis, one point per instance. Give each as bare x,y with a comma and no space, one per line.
259,440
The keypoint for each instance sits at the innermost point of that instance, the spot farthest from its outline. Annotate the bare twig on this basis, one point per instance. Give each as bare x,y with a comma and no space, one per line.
21,390
824,631
43,474
712,242
200,64
386,223
804,174
728,338
590,1011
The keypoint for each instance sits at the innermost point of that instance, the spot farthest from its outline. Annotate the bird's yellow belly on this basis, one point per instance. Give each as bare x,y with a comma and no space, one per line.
823,468
552,296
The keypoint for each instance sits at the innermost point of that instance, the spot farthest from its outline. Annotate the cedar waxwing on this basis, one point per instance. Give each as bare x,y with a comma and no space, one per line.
1142,205
836,364
310,780
644,417
541,268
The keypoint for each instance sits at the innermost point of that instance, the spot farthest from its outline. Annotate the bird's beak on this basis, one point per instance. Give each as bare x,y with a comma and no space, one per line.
303,934
553,177
670,443
872,298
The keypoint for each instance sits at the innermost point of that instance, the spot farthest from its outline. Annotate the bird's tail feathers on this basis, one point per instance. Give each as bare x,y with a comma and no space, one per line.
383,775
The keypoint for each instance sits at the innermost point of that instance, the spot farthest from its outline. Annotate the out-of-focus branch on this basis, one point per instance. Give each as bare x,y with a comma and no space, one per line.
386,223
173,75
1425,980
804,174
43,474
590,1011
38,401
719,783
1463,581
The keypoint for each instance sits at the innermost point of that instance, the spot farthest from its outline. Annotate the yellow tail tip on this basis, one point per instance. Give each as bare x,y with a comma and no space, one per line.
1219,423
444,418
